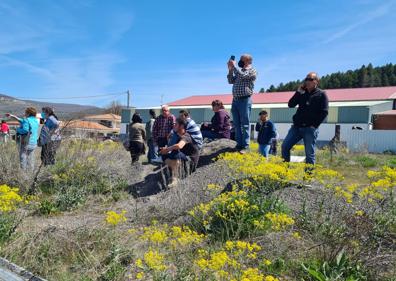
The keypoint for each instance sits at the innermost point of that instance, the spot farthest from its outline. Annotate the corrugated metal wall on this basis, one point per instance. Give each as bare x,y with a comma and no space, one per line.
282,115
375,141
353,114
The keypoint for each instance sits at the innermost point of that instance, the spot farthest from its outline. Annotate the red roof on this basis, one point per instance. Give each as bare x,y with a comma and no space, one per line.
356,94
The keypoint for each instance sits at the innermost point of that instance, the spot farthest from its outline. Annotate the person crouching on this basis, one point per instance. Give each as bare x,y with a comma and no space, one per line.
184,150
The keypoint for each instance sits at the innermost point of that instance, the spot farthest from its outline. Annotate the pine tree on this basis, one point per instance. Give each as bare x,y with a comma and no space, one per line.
365,76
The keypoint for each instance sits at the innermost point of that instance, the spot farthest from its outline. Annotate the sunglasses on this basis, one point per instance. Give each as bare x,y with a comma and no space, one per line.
309,79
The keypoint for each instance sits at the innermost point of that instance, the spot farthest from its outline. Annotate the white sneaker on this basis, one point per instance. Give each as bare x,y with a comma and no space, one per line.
173,183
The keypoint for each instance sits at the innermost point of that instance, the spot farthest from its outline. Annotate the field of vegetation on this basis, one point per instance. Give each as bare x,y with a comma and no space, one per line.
241,218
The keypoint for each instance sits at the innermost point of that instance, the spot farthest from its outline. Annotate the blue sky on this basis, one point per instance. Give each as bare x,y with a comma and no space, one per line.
179,48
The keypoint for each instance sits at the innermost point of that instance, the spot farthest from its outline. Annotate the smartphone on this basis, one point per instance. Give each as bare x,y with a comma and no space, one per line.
232,57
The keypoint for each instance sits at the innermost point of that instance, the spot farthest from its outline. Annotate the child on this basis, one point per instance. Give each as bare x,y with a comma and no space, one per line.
266,132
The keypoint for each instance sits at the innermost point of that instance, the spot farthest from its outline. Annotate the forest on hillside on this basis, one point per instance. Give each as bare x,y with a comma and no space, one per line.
366,76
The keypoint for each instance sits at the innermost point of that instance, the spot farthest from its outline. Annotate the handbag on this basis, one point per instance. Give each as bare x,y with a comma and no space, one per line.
126,145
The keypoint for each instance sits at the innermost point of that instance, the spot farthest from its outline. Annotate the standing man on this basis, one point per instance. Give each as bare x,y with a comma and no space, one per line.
242,76
313,107
162,127
152,154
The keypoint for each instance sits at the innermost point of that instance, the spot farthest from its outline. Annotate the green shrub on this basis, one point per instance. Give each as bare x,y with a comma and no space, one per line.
392,162
236,215
339,269
367,161
47,207
7,226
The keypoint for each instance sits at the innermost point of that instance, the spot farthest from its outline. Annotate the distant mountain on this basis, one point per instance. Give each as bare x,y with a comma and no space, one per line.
62,110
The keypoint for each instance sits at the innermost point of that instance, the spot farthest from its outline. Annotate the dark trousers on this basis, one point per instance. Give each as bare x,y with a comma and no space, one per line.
48,152
162,142
152,154
136,149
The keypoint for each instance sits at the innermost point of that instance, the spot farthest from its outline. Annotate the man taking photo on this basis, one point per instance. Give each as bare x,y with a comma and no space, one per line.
242,78
313,107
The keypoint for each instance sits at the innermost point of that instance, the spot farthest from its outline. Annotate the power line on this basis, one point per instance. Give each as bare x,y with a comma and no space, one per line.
68,98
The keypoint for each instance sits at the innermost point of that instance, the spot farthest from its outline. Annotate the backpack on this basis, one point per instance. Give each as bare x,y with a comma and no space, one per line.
24,139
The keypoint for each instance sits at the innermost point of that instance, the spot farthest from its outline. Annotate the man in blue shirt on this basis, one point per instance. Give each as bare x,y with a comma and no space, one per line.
266,132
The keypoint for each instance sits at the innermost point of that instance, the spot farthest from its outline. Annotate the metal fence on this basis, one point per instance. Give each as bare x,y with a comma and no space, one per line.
374,141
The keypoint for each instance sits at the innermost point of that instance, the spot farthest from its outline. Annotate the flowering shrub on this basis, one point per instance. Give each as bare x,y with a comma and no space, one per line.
234,215
9,198
114,218
169,248
237,260
164,244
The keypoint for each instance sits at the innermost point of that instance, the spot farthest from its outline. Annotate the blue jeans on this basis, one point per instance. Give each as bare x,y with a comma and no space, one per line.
264,149
26,157
152,154
295,134
240,110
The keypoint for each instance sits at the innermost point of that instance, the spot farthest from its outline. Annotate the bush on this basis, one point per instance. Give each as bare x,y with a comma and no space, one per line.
367,161
237,215
339,269
7,226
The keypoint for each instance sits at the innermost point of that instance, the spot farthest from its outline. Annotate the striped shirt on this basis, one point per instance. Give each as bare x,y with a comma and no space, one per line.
243,81
195,132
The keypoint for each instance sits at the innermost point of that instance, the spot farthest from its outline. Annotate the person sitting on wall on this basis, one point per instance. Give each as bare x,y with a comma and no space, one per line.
266,132
313,108
220,127
183,150
192,129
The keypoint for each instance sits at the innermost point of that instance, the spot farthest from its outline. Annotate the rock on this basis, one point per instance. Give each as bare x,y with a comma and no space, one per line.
155,181
213,149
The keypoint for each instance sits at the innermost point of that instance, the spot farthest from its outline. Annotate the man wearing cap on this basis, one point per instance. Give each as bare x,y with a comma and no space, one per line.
242,78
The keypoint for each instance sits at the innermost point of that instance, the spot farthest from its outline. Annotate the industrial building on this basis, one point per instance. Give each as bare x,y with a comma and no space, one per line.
348,108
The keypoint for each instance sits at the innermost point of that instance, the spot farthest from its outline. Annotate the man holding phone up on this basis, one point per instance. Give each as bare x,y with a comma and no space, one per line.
313,107
242,77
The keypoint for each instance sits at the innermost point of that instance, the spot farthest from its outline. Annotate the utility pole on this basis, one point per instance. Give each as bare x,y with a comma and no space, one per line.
128,98
162,99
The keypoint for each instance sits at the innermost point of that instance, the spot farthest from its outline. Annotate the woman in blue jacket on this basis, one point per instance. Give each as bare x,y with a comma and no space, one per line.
27,135
266,132
49,137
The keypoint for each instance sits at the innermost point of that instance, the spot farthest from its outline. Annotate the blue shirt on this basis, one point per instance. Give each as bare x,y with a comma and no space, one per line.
49,132
29,125
266,132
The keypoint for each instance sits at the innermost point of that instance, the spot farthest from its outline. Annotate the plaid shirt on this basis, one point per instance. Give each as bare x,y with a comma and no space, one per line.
163,126
243,81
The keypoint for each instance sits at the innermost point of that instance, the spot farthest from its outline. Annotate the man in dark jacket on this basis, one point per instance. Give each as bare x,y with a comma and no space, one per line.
266,132
313,106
